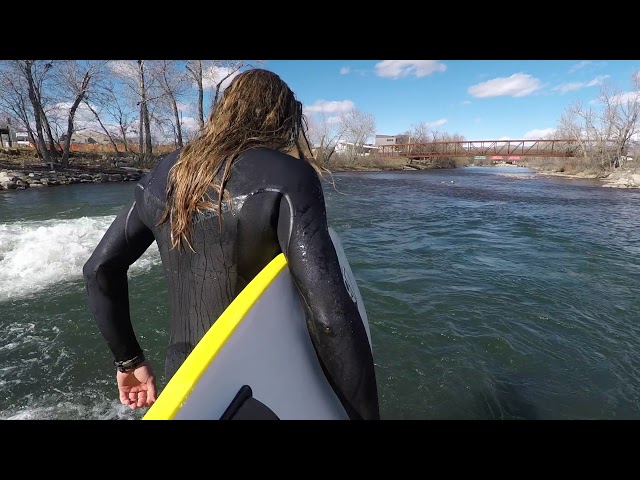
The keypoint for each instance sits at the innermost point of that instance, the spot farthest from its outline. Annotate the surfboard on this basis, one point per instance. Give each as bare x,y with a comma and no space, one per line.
257,360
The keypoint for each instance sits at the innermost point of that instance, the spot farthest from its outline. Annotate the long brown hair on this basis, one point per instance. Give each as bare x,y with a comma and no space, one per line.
257,109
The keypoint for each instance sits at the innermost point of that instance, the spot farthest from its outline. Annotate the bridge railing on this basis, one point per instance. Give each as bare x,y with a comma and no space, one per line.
471,148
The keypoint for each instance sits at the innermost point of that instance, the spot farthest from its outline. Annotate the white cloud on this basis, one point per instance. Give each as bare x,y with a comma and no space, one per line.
437,123
210,76
184,107
62,109
570,87
585,63
579,65
334,120
465,102
539,134
626,97
517,85
83,119
214,74
330,106
345,70
124,68
404,68
190,123
599,80
619,99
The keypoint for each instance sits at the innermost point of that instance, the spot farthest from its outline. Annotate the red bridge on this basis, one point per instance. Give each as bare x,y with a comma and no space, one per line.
528,148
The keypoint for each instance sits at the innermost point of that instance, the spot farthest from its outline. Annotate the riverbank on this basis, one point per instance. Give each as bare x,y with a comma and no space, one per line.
36,177
620,178
21,172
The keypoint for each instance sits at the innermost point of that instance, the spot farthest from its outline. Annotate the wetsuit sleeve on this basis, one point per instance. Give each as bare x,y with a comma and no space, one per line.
333,320
105,275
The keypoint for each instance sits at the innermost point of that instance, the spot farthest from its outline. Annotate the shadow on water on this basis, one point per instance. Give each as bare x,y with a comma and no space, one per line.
504,400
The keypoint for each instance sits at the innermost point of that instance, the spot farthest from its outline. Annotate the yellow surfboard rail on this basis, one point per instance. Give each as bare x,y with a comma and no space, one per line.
185,379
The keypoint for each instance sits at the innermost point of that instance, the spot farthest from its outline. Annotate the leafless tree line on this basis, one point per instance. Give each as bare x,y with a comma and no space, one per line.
339,135
421,138
130,101
138,105
343,136
604,132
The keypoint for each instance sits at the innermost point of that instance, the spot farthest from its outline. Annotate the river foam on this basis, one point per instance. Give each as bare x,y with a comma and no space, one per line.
34,255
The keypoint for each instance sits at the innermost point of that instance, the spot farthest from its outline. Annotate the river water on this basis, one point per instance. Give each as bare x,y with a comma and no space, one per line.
492,293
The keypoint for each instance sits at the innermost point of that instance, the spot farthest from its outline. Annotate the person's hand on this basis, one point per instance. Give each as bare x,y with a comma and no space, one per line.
137,387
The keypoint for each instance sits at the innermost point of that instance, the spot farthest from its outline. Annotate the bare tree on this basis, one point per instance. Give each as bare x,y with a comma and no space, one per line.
47,113
104,128
108,105
324,132
14,96
213,73
426,141
358,128
573,126
162,119
168,123
173,84
141,89
223,71
448,142
420,133
587,127
144,114
605,130
195,69
621,117
75,79
43,75
26,79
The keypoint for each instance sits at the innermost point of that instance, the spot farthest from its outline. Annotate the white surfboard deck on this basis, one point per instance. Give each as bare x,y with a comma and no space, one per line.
260,340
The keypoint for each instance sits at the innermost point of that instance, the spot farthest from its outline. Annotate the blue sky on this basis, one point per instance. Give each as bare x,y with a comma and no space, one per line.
478,99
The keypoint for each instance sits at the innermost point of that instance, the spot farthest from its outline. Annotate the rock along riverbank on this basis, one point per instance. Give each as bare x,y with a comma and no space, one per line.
22,179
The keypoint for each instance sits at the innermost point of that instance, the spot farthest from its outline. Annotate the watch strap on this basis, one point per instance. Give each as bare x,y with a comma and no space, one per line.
131,364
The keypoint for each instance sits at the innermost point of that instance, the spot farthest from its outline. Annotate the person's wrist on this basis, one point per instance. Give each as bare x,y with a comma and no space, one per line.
130,365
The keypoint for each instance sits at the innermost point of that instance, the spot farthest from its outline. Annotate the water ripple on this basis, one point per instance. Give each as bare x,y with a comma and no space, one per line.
489,297
498,299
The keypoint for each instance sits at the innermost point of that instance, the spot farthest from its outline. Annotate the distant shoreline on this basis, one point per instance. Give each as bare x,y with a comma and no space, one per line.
21,173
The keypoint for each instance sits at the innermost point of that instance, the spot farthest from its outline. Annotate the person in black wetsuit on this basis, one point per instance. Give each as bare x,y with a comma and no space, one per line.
212,245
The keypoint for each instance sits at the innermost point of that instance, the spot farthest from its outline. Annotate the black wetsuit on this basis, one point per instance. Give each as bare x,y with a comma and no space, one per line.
277,206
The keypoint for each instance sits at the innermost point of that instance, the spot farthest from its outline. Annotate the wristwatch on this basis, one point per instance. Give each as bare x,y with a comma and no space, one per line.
129,365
